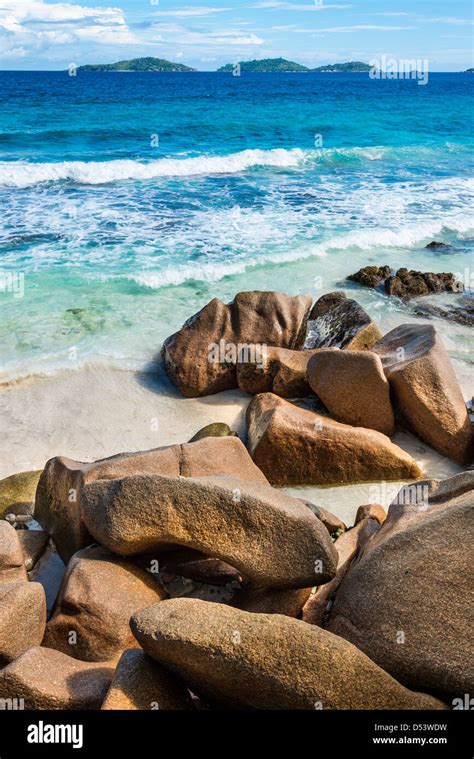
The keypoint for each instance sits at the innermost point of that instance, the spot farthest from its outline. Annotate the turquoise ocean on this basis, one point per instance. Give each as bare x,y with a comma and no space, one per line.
129,200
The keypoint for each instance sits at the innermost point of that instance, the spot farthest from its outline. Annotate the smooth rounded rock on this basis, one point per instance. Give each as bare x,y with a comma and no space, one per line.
266,661
271,538
98,596
407,601
353,387
294,446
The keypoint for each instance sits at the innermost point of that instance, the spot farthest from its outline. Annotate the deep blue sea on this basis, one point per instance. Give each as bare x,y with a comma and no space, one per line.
129,200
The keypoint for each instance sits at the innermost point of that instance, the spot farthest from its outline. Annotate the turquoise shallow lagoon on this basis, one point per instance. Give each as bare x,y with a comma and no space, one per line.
130,200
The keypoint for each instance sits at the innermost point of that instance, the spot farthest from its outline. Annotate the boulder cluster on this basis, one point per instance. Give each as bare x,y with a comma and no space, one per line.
407,283
181,578
284,347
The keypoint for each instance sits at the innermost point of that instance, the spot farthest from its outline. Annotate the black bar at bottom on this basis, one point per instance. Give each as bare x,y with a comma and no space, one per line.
385,733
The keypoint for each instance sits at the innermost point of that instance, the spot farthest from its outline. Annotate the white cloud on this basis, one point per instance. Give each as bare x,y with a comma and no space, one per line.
33,23
363,28
285,6
222,37
37,10
14,52
186,12
450,20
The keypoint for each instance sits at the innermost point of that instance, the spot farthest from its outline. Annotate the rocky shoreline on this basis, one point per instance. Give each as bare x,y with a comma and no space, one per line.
183,578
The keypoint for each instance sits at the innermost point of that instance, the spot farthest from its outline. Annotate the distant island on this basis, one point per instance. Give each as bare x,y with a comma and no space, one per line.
137,64
351,67
469,71
265,65
271,65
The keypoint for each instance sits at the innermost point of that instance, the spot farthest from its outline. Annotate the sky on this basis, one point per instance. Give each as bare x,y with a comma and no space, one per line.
205,34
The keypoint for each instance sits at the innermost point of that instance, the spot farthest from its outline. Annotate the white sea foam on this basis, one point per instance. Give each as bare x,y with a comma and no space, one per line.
366,240
23,174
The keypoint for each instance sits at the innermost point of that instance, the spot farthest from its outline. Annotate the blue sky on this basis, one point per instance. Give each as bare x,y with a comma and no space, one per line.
35,34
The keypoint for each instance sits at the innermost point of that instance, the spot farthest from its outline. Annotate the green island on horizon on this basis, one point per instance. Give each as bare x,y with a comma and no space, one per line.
265,65
262,66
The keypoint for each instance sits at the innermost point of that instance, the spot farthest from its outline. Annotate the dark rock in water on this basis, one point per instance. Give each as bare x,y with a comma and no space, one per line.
461,312
326,302
370,276
435,245
216,429
411,284
343,325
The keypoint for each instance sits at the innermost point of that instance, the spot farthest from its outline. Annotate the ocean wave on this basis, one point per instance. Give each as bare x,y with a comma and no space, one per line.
22,174
25,174
369,240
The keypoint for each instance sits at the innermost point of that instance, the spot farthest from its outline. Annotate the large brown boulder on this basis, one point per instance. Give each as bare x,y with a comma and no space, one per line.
271,538
140,683
266,661
353,387
201,358
284,373
48,679
12,566
425,389
340,323
98,596
407,600
22,618
59,491
293,446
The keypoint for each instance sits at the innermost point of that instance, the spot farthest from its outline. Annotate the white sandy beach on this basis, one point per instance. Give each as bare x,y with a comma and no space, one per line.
96,412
